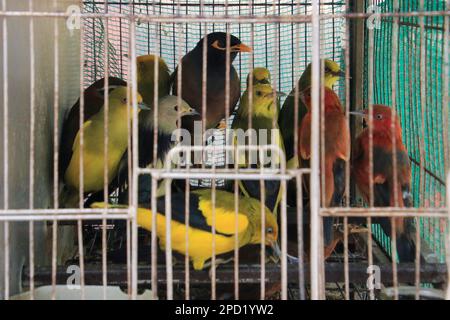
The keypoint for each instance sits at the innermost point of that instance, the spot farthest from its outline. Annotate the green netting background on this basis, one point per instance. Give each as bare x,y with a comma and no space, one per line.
422,135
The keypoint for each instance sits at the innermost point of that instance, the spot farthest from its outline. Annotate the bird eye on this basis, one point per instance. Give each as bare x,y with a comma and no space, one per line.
269,230
327,70
124,100
379,116
258,93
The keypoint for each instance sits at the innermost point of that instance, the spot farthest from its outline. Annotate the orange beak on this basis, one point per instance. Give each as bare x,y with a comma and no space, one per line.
241,48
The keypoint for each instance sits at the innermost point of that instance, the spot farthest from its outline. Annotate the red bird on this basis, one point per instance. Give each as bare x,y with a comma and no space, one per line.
383,174
337,152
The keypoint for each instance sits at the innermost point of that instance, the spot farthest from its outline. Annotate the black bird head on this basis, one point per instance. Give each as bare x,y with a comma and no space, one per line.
217,46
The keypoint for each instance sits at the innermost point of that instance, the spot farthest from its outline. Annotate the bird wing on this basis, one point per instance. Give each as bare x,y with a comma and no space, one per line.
225,215
201,215
76,142
305,137
343,138
286,122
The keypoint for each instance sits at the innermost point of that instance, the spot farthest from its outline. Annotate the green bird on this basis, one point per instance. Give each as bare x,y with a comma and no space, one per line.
263,113
93,148
260,76
94,101
146,78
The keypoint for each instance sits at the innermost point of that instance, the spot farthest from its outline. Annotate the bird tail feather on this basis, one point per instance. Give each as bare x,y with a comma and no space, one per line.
144,216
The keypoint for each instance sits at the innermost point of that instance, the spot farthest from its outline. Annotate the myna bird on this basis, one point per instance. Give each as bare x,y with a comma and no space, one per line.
387,193
201,221
192,67
336,153
264,110
93,148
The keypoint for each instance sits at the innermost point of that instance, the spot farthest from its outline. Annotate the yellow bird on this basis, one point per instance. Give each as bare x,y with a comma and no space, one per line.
262,112
146,77
93,148
201,222
260,76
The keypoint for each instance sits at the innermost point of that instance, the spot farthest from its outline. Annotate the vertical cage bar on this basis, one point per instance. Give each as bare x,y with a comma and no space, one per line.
168,244
423,107
370,128
105,150
32,148
81,159
300,244
316,290
347,60
135,159
394,144
54,229
5,151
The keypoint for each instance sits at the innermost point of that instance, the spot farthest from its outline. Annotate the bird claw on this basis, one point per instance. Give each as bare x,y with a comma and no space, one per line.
292,259
353,229
217,263
277,252
358,229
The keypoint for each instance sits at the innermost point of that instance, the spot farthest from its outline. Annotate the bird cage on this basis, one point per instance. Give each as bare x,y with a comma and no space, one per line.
388,52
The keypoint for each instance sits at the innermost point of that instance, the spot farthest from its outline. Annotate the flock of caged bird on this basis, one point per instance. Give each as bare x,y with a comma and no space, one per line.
264,109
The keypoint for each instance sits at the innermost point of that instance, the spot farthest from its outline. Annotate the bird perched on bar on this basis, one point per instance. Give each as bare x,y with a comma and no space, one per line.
93,150
336,153
262,112
168,110
216,64
386,191
247,224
